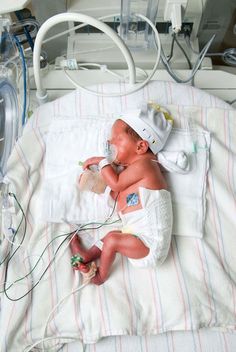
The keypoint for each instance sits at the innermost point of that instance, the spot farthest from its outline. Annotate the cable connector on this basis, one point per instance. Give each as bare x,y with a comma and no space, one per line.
174,12
69,64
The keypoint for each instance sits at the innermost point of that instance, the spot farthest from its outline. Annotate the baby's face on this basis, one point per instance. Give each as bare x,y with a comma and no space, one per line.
124,144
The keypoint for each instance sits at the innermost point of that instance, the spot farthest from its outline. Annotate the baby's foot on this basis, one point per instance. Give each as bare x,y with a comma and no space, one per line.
77,252
75,245
83,268
87,270
97,279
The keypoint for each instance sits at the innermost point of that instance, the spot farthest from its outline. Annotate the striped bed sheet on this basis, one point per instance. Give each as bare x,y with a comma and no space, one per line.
177,307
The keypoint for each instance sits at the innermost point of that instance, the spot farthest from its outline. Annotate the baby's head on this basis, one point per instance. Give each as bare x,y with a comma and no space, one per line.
150,124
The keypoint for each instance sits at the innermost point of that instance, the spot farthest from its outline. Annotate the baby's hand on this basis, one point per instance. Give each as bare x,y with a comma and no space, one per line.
95,160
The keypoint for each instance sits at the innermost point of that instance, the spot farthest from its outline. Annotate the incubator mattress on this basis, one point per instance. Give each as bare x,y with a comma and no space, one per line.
194,289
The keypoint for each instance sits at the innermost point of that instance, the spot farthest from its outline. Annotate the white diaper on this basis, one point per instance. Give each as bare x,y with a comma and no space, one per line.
152,224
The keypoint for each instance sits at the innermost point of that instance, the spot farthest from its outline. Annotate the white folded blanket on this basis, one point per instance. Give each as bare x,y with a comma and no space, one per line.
72,140
194,289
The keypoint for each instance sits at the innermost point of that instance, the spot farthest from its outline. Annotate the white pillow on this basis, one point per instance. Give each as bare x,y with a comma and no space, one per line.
72,140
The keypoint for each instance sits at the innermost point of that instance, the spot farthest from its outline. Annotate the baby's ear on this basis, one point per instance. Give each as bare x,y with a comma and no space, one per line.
142,146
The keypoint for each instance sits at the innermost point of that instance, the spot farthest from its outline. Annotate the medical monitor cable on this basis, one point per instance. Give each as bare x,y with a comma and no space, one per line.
232,102
188,41
183,51
38,281
138,86
170,55
195,67
44,339
104,68
55,308
16,231
35,265
82,227
163,58
228,55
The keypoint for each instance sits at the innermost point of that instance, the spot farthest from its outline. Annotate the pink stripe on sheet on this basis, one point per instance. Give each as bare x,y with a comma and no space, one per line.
214,216
40,141
166,335
158,305
230,172
172,341
146,343
177,271
77,315
105,311
204,270
226,347
179,118
218,233
230,163
8,323
120,342
99,294
216,212
199,340
93,347
50,281
127,295
27,320
132,294
23,161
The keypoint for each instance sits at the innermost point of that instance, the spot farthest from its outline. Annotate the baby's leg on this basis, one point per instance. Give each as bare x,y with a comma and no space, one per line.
118,242
87,255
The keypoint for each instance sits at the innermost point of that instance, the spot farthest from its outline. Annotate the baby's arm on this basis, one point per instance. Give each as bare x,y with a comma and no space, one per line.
95,160
119,182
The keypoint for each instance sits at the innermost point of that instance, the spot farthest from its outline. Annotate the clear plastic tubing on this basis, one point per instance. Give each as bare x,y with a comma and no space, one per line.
136,34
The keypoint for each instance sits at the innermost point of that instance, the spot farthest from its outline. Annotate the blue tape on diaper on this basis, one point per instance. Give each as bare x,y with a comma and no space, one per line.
132,199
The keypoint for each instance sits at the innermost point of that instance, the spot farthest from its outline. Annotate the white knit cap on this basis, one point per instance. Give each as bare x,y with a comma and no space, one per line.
151,125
